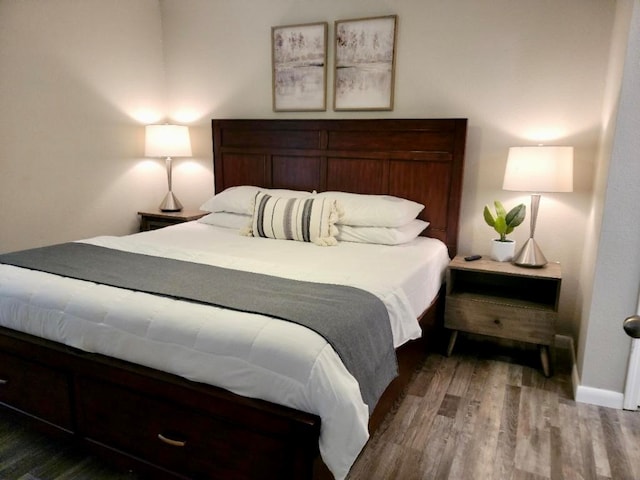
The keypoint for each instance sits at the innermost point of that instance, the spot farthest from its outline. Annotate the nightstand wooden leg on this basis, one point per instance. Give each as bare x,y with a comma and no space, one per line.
452,342
544,358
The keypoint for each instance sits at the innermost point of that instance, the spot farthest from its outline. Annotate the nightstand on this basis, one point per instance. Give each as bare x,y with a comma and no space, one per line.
153,220
503,300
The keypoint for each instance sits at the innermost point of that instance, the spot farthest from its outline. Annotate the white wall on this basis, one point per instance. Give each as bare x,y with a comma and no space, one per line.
77,79
523,72
80,79
604,347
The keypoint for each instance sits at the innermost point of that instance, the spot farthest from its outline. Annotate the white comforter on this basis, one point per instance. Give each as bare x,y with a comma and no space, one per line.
249,354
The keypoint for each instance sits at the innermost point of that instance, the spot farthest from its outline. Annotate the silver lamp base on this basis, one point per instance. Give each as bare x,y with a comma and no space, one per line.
530,255
170,203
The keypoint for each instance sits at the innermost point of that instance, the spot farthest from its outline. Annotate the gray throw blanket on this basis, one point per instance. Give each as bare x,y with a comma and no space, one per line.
353,321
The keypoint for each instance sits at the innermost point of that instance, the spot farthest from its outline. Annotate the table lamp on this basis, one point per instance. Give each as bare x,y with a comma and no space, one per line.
537,169
168,141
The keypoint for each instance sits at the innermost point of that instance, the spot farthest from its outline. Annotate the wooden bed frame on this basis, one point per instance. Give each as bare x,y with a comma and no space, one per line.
163,426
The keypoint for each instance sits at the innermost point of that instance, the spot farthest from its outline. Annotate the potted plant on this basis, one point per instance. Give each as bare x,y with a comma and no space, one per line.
504,222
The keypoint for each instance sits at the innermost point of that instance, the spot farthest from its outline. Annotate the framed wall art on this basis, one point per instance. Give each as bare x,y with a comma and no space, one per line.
364,63
299,60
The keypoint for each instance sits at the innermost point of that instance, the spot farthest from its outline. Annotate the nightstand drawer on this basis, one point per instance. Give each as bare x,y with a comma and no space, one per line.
481,316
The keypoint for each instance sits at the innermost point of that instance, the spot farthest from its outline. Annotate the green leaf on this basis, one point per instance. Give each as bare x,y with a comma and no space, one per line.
500,226
500,211
516,216
488,217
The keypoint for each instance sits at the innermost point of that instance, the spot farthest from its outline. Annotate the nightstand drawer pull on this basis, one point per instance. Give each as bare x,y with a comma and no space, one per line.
171,441
497,321
3,381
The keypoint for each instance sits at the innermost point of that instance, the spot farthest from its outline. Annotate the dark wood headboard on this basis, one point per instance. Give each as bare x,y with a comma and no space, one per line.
418,159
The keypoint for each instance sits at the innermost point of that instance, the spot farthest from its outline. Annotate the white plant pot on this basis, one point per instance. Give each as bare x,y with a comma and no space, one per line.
503,251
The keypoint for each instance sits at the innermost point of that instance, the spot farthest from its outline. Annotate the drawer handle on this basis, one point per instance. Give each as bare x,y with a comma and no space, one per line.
3,381
171,441
497,321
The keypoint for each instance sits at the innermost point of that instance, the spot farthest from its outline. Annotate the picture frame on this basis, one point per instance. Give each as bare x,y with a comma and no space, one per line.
365,56
299,67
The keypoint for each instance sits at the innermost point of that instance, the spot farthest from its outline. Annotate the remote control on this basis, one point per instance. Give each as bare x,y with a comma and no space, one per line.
471,258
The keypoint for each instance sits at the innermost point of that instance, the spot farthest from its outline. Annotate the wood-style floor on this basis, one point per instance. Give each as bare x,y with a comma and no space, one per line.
482,413
487,412
27,455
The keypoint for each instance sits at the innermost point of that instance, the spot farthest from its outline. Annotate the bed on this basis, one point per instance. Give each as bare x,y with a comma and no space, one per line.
158,416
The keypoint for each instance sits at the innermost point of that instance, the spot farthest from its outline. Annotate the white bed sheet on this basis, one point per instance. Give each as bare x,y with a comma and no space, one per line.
249,354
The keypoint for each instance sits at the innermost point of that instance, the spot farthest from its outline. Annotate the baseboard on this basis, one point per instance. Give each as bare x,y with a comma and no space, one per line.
565,342
583,394
600,397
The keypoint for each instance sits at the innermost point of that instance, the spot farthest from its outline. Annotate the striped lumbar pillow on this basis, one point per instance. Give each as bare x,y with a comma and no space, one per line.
303,219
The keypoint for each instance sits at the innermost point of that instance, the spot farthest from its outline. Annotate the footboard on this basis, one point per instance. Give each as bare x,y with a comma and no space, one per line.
157,424
163,426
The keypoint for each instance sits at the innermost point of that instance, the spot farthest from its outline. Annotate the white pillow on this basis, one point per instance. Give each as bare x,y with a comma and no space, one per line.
226,220
240,199
382,235
305,219
374,210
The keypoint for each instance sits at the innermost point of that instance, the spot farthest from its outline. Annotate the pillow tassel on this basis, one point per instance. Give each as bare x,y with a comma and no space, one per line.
337,212
325,241
247,231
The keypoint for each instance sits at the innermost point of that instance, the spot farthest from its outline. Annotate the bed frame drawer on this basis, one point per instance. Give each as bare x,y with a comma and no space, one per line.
50,401
174,436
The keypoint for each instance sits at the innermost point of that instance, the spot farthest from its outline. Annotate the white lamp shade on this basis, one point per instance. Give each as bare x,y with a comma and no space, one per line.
167,141
539,169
